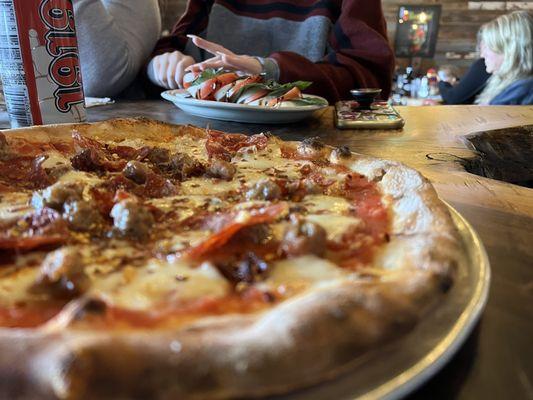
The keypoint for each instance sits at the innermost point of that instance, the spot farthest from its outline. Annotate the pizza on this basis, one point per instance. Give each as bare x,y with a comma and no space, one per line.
146,260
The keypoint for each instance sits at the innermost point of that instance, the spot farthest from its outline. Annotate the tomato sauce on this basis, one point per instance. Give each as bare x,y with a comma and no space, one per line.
28,316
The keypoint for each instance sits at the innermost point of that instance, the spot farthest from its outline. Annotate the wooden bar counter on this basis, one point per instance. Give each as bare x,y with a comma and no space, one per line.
496,361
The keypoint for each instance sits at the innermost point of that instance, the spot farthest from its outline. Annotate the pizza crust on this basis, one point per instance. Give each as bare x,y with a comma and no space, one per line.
304,340
217,358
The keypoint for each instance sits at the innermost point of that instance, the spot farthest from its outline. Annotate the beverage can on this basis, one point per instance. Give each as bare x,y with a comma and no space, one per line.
39,63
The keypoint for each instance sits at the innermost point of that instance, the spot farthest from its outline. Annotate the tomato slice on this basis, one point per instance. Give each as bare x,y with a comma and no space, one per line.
294,93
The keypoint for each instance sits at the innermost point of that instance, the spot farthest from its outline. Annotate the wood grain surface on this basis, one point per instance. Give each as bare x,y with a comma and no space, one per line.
497,360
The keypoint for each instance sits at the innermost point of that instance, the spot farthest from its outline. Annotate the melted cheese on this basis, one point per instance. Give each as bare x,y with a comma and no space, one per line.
158,281
331,213
299,273
256,164
187,206
192,146
80,176
14,287
204,187
136,143
318,204
182,240
335,225
55,159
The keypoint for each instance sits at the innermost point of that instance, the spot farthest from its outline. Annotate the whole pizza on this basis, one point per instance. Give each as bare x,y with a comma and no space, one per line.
145,260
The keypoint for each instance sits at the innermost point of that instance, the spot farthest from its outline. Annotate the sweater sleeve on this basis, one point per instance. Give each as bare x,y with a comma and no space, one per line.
360,55
468,87
193,21
113,44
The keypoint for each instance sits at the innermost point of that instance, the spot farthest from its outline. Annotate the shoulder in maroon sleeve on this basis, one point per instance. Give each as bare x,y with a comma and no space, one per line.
193,21
360,57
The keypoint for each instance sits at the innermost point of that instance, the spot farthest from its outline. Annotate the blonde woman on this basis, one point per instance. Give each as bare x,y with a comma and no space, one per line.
507,47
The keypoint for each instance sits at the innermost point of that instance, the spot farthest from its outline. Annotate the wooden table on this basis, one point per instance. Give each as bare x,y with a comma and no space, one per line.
497,360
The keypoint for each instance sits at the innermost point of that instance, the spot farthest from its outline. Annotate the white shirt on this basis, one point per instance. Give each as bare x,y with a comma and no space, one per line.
115,39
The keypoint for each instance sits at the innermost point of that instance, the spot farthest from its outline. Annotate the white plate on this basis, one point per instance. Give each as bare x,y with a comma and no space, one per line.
240,112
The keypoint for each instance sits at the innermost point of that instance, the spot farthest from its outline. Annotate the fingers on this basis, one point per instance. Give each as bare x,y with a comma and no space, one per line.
232,62
168,69
211,47
181,68
241,63
236,62
214,62
170,75
160,67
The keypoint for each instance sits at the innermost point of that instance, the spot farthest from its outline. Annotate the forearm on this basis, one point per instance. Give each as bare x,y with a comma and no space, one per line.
450,95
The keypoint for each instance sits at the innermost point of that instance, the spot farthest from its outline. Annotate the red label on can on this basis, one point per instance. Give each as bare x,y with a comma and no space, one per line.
49,49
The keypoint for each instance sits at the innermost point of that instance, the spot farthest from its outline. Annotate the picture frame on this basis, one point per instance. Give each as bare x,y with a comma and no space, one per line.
417,30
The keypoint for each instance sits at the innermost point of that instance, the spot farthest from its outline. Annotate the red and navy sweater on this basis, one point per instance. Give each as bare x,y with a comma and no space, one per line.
338,45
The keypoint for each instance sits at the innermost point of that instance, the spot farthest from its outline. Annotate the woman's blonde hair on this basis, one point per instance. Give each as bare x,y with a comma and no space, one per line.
511,36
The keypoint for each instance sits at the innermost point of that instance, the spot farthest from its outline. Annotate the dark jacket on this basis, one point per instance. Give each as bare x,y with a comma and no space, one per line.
470,85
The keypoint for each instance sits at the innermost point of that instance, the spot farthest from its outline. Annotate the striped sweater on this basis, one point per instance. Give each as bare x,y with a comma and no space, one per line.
338,45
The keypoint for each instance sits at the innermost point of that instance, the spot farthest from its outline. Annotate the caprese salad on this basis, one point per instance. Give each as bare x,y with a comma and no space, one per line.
254,90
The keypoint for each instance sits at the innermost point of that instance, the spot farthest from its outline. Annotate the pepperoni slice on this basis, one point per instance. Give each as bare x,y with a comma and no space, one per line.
237,221
41,229
225,145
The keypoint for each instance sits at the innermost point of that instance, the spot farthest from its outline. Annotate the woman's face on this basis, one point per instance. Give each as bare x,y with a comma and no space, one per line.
493,60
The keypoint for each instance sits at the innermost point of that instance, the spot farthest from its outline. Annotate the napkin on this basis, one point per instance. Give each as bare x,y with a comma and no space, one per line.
97,101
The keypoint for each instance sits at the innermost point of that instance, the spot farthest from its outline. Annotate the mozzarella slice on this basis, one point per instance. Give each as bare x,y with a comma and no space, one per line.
145,287
256,163
335,225
300,273
318,204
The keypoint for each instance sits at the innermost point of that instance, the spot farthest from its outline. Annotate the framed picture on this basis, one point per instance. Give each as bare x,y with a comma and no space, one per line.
417,30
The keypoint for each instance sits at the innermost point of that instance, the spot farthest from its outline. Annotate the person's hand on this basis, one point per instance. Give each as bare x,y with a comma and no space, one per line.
224,58
445,77
167,69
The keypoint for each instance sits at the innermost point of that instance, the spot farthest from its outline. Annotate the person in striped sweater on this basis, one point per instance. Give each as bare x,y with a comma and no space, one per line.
336,44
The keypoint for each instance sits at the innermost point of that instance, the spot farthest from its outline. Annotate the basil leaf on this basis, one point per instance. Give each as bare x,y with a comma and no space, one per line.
309,101
206,75
279,90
